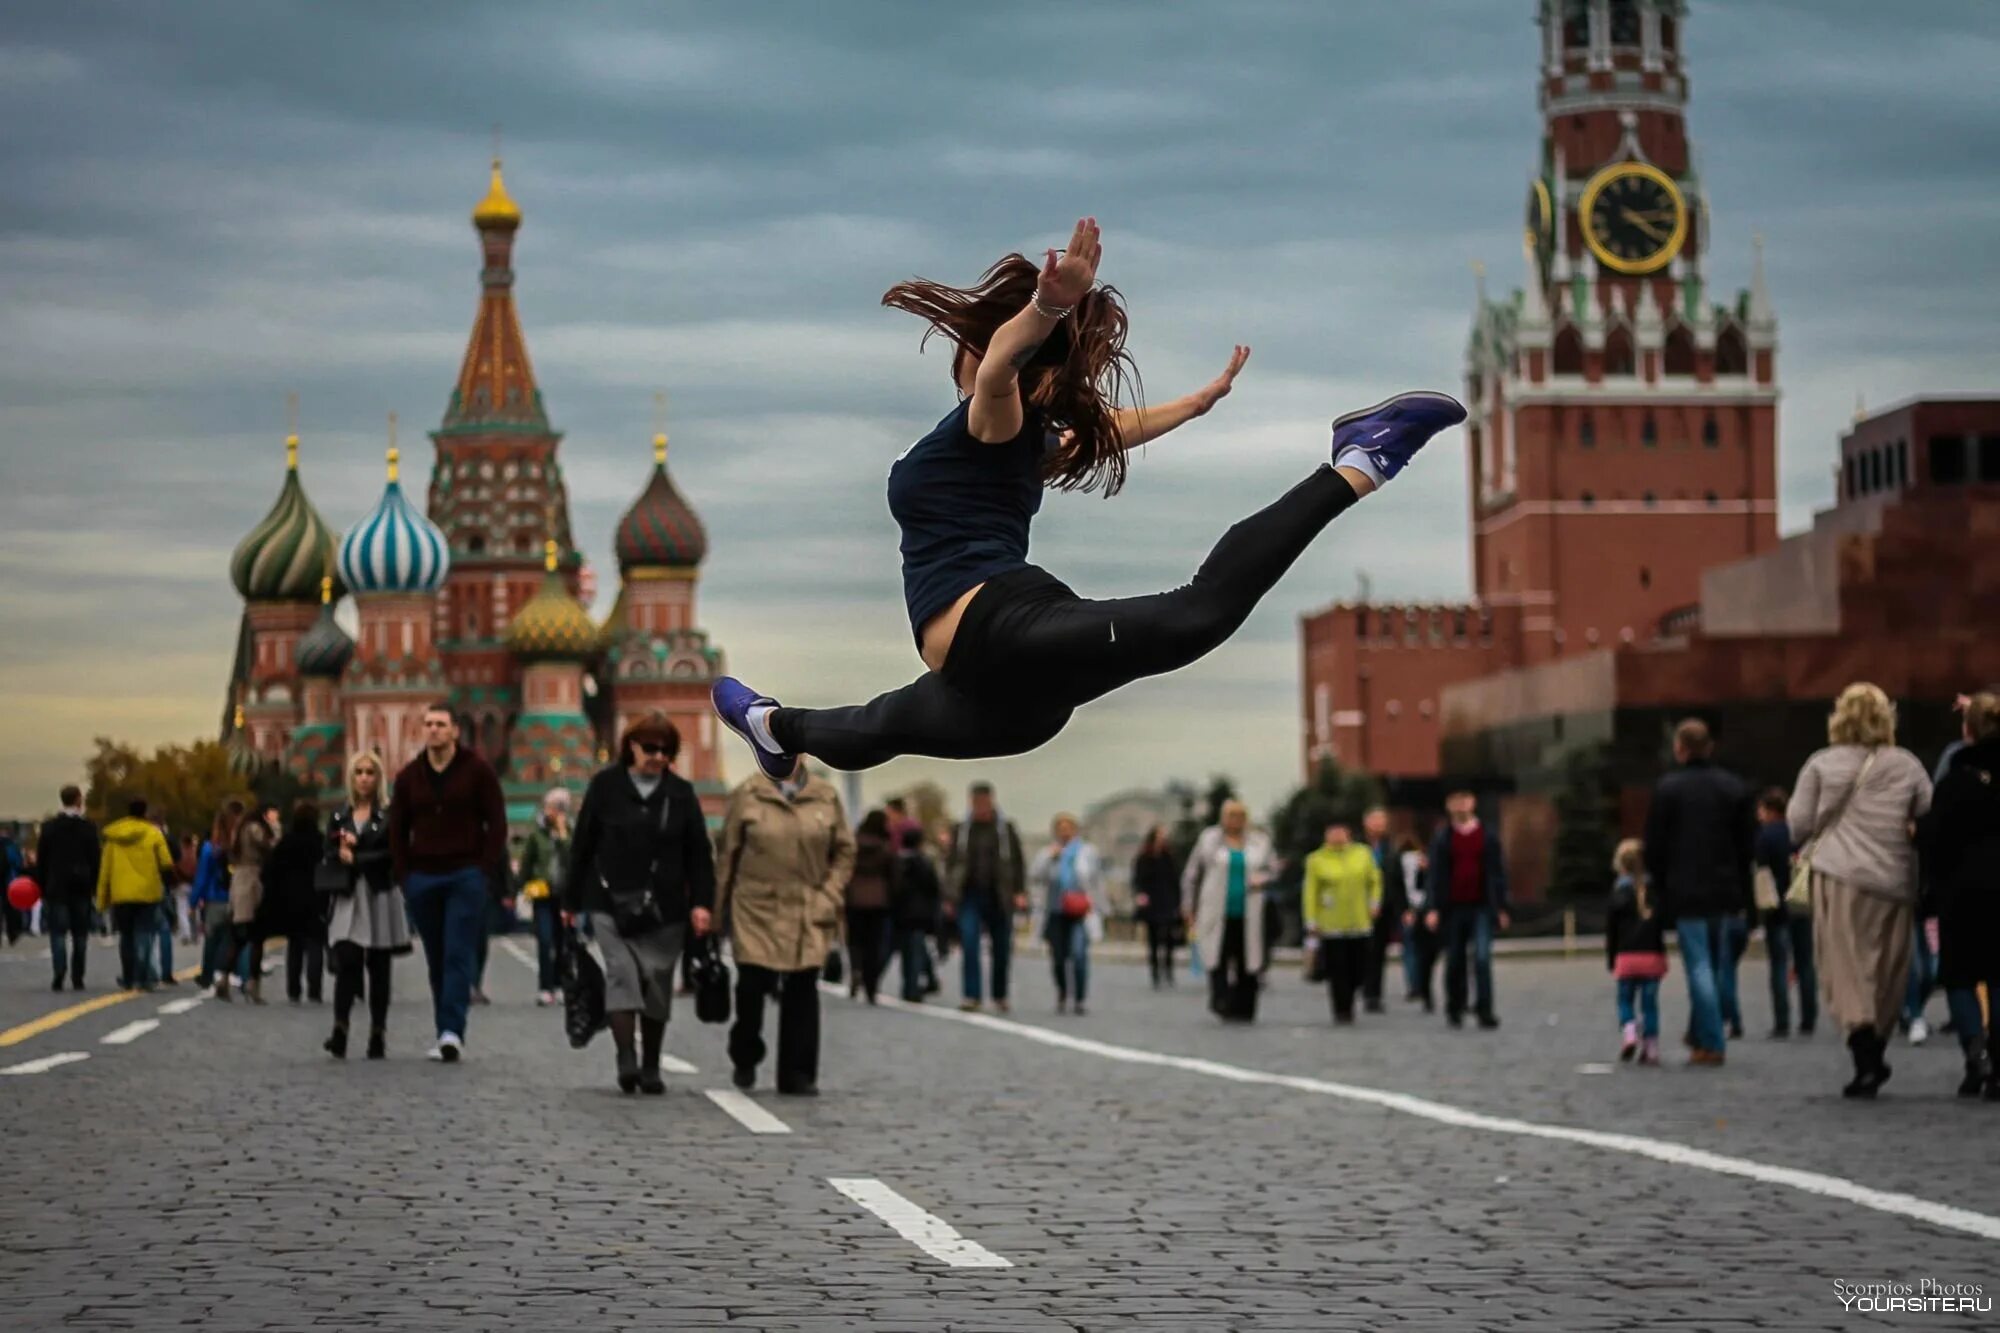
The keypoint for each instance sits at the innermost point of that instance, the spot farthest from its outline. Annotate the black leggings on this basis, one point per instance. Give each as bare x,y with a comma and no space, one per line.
348,962
1029,652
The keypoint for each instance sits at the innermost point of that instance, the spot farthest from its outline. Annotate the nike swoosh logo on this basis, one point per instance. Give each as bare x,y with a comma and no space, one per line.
1114,631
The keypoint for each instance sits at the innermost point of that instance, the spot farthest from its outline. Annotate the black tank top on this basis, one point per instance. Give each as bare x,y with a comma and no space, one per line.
964,507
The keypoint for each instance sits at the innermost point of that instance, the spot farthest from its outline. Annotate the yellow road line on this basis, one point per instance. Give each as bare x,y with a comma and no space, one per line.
48,1022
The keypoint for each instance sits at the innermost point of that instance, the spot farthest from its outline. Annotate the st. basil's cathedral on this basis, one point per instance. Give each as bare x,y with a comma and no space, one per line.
473,598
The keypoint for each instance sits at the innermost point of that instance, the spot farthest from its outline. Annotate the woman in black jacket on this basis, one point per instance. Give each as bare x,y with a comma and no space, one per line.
291,908
641,865
370,924
869,894
1156,901
1960,840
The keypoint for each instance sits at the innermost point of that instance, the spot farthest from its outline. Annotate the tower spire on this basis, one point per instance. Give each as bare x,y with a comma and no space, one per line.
1761,317
496,382
395,455
660,429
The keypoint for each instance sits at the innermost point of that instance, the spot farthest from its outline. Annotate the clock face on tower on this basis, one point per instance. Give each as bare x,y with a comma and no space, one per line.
1634,217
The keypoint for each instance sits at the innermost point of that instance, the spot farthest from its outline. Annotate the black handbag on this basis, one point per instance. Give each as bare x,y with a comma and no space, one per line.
333,879
709,976
582,991
835,970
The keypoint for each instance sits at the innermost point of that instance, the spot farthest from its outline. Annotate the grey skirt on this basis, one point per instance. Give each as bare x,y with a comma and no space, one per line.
639,969
370,920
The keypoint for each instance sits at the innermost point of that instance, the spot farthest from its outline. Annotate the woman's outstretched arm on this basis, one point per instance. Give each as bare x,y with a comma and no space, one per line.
995,415
1137,425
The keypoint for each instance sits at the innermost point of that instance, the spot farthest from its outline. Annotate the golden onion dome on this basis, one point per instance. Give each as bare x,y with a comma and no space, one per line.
553,625
496,209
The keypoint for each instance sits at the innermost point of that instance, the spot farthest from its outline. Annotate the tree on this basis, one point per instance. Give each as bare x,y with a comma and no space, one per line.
1187,828
182,784
1585,830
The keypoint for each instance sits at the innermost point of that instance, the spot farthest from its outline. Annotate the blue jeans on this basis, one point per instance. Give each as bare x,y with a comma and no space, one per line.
1069,957
136,926
1646,994
548,927
166,971
1967,1024
977,914
1704,953
68,924
1923,975
448,912
1463,924
1789,942
1735,939
915,953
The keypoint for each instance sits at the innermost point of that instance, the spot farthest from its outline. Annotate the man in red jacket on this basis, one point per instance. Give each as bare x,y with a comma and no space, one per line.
447,836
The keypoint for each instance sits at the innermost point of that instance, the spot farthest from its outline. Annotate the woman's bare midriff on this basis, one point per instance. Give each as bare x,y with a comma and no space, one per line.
941,628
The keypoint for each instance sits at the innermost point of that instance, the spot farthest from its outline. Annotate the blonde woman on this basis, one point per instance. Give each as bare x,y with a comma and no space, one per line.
1852,813
369,925
1224,885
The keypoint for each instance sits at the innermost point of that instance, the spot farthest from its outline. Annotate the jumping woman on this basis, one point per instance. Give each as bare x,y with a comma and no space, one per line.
1040,362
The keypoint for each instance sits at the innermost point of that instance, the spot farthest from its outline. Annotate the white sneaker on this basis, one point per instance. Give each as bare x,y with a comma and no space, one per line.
546,998
1920,1031
447,1049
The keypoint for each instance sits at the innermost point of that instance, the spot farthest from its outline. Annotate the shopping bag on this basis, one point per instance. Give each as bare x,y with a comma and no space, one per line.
582,975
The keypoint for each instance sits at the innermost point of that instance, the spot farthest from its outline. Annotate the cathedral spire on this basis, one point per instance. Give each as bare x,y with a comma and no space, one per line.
496,388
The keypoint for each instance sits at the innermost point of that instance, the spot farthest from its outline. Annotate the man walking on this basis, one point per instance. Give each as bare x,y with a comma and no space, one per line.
1375,831
1468,900
66,860
131,880
447,839
1700,843
986,882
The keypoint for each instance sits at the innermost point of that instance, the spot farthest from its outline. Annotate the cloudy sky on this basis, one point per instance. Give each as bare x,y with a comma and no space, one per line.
209,205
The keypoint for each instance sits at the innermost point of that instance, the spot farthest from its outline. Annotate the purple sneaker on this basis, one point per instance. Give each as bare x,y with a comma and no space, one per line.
1387,435
733,701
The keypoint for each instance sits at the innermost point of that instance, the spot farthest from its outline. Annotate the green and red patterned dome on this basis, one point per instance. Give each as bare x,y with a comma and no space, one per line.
660,529
284,557
324,649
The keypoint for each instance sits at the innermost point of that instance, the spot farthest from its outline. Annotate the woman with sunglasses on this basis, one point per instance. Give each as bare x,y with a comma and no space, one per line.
642,867
1040,364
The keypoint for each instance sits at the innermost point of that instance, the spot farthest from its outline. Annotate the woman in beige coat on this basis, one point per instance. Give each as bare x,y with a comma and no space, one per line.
247,854
782,871
1854,809
1223,885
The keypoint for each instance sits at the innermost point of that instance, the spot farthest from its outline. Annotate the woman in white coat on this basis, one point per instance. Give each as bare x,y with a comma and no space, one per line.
1224,885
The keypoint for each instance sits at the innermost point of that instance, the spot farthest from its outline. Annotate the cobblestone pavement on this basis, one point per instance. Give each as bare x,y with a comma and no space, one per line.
220,1170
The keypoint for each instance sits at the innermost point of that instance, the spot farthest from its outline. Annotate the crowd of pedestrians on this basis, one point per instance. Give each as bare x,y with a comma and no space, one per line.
1871,880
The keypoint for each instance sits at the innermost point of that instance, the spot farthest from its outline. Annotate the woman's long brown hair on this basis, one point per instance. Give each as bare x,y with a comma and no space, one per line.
1074,382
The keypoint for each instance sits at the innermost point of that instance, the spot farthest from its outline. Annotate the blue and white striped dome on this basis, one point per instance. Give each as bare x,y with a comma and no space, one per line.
395,548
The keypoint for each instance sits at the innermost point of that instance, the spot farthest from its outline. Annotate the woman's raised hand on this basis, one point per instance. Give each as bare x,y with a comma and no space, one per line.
1218,388
1067,275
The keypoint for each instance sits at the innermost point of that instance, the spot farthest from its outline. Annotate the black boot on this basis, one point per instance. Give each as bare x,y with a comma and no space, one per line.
378,1044
652,1036
1975,1074
1869,1071
336,1045
628,1069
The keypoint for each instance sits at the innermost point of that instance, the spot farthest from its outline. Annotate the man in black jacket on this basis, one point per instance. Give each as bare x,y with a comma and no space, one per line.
66,855
1700,840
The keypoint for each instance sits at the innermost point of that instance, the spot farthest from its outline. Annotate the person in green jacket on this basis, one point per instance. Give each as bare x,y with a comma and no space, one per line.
544,867
1342,895
131,880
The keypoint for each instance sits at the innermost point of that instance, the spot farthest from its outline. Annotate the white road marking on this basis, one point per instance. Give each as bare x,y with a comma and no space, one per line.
928,1232
673,1064
746,1112
46,1063
527,959
181,1006
1595,1067
129,1033
1948,1216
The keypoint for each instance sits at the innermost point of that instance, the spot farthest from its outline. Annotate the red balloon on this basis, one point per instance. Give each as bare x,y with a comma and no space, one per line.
23,894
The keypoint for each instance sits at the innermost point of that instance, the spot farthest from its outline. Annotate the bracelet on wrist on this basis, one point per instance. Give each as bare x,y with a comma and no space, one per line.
1046,311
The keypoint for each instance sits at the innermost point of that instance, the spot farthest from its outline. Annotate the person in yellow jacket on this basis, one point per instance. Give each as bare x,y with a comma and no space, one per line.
1342,894
131,880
